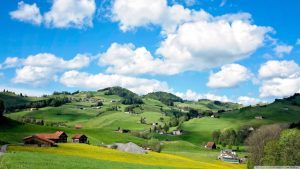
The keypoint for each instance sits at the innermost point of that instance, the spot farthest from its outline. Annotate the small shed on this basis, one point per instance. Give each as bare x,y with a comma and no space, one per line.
78,126
177,132
79,138
210,145
259,117
123,130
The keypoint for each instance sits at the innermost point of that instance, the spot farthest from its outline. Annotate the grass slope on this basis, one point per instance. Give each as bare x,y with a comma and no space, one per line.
151,159
33,160
203,105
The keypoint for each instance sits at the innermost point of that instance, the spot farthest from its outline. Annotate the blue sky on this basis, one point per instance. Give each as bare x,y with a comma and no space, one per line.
243,51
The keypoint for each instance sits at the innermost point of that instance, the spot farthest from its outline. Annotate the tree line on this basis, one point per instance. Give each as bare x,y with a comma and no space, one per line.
54,102
274,145
230,137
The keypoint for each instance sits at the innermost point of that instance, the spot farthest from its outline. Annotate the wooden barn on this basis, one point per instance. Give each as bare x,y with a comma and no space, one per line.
57,137
119,130
79,138
210,145
39,141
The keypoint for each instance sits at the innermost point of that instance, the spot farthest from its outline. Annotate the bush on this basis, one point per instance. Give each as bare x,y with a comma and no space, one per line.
153,144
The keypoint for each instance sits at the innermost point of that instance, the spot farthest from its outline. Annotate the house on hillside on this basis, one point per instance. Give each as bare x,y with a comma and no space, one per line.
250,129
154,124
259,117
119,130
33,109
80,138
285,108
78,126
39,141
228,156
210,145
57,137
177,132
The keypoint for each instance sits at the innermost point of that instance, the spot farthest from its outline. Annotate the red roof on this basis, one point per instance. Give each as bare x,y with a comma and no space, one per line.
39,138
54,136
47,136
78,126
210,144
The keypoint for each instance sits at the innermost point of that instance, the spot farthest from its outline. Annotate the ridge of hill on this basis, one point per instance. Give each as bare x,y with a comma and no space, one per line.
281,110
164,97
128,96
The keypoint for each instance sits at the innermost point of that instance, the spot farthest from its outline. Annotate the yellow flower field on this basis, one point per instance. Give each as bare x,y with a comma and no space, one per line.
152,158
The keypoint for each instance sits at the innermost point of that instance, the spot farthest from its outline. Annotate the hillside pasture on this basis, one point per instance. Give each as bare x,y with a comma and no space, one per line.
161,160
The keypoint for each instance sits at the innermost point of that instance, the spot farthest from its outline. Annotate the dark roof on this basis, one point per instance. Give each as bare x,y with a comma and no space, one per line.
78,136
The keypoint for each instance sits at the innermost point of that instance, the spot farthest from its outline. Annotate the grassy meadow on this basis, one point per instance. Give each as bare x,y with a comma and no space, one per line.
99,122
70,152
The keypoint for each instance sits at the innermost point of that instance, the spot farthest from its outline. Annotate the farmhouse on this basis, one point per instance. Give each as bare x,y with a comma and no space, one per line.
40,141
210,145
79,138
259,117
119,130
177,132
57,137
78,126
228,156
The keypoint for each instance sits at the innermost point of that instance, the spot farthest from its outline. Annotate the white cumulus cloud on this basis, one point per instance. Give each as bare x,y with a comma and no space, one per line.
27,13
99,81
63,14
280,87
11,62
192,40
71,13
275,68
34,75
246,101
43,67
127,59
280,50
279,78
191,95
229,76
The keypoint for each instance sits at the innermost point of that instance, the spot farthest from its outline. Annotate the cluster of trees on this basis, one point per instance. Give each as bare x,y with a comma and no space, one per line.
128,97
7,91
113,108
97,104
32,121
283,151
65,93
54,102
293,100
274,145
61,93
231,137
153,144
166,98
134,109
193,113
143,120
156,129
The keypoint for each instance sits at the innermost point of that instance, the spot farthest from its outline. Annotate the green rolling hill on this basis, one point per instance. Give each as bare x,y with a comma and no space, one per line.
101,112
